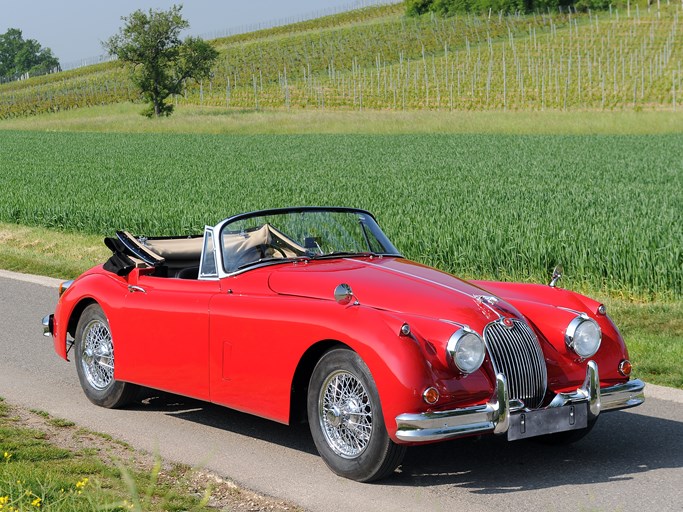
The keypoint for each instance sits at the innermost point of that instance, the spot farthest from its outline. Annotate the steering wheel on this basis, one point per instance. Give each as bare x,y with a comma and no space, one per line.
264,247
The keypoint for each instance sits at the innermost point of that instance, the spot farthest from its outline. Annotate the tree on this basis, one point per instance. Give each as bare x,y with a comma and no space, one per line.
19,55
160,62
417,7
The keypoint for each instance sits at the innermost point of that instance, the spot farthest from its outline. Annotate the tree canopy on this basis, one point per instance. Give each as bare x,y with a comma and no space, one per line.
452,7
19,56
150,43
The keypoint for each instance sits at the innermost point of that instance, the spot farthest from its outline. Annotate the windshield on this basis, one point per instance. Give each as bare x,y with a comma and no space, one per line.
309,233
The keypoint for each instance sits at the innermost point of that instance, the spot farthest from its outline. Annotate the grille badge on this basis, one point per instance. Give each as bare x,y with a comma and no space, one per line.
506,322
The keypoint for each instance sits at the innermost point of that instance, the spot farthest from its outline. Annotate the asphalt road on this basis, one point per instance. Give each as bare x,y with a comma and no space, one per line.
633,460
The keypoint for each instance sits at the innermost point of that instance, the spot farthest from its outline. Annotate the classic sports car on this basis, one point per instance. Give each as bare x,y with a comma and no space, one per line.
311,313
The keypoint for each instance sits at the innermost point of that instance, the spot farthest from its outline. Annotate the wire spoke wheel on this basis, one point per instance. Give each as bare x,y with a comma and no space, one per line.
97,357
94,350
346,420
345,411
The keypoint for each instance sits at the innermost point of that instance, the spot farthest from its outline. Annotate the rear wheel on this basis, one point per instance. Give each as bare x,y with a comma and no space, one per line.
95,361
346,421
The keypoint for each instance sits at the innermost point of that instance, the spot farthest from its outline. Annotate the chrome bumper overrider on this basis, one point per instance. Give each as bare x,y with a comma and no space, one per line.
494,416
48,325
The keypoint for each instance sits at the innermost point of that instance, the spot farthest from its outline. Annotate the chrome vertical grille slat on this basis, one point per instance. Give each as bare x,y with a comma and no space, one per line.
515,352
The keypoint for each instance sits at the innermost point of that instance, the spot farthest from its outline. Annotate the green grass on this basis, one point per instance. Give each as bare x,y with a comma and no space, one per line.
654,336
40,251
494,206
38,475
125,118
59,422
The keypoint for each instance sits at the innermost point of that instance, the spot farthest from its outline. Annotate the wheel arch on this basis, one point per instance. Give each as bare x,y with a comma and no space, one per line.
302,375
396,364
76,313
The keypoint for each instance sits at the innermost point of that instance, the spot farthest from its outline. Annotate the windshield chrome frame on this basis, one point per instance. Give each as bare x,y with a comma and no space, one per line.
218,241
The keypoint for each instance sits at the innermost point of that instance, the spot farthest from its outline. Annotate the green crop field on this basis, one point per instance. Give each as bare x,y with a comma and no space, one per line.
503,206
375,58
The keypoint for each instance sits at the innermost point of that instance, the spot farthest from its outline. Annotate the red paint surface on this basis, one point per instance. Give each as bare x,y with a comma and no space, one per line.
238,342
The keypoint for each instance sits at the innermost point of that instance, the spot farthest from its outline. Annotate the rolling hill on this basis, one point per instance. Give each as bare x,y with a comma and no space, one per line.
376,58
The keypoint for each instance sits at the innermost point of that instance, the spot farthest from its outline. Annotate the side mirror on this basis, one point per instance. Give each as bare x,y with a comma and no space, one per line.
557,274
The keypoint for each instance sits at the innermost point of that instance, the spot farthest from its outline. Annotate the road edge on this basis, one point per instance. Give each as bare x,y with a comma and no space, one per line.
49,282
651,390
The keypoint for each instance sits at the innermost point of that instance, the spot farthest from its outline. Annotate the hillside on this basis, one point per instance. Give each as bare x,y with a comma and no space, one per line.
375,58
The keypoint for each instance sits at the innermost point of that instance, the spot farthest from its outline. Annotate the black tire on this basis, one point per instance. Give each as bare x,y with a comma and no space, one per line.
95,361
350,437
564,438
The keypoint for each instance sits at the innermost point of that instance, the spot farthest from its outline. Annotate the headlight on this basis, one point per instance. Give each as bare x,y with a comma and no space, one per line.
465,350
583,336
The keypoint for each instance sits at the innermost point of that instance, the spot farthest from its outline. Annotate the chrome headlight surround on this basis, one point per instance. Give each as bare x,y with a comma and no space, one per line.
465,350
583,336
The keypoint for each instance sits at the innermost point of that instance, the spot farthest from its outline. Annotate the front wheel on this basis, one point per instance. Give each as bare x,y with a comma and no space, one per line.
95,361
346,421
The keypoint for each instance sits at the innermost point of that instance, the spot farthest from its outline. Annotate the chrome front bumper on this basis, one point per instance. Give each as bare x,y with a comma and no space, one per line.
494,416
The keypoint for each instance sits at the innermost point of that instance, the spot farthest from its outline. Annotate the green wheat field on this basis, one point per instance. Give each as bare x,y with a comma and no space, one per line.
499,206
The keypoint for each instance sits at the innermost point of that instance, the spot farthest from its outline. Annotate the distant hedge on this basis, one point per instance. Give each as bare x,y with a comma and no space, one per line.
452,7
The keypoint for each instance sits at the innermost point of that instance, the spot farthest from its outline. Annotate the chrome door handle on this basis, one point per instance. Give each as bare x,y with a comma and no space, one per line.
133,289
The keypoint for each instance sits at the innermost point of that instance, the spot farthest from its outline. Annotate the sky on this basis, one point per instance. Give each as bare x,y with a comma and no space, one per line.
74,29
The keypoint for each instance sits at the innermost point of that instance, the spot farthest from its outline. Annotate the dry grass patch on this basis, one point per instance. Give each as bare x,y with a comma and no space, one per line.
48,252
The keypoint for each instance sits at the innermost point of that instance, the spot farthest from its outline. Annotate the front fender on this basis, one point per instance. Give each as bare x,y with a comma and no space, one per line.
404,366
103,288
549,311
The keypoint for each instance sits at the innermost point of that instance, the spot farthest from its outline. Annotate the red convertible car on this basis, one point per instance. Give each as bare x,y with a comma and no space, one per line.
311,312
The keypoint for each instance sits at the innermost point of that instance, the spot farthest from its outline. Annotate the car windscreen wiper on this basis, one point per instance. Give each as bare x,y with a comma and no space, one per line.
271,260
342,254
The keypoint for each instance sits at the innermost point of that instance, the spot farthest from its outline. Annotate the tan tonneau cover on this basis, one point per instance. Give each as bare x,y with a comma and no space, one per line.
176,248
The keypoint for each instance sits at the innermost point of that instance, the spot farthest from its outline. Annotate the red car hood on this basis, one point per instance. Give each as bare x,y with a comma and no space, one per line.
393,284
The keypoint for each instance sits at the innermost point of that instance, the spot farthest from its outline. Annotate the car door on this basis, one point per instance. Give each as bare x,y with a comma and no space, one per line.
253,350
165,325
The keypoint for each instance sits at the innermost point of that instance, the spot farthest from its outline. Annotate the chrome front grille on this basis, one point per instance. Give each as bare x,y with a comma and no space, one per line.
516,353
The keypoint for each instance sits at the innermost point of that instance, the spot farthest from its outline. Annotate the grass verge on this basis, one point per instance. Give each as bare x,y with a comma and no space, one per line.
653,330
47,252
50,464
654,336
125,118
